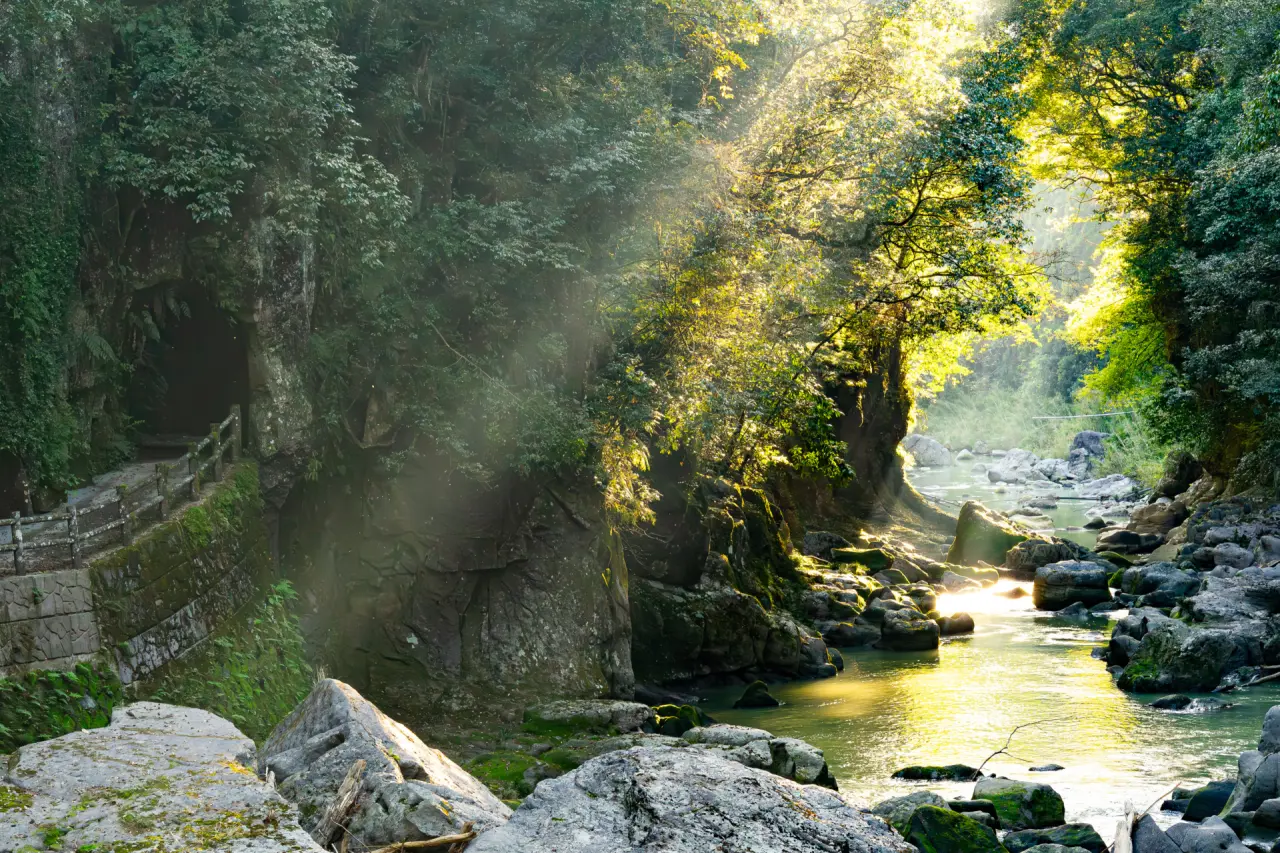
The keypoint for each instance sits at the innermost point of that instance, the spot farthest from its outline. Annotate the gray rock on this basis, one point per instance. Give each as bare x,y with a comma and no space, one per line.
1090,441
1125,541
1025,557
820,543
1021,805
723,734
1060,584
410,790
927,451
682,801
160,778
1270,740
598,715
1148,837
1232,555
1268,814
1257,780
1211,836
953,582
898,810
1116,487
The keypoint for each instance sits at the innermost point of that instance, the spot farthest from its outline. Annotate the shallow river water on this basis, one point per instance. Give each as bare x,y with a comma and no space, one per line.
958,704
888,710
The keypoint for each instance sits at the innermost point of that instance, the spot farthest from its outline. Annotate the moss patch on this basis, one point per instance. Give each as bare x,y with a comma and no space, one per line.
937,830
253,672
48,704
13,799
503,772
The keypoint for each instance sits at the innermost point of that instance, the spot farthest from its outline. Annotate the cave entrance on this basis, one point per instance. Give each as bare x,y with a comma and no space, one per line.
194,367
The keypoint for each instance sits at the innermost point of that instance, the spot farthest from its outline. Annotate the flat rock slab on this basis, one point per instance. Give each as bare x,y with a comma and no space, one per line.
683,801
160,779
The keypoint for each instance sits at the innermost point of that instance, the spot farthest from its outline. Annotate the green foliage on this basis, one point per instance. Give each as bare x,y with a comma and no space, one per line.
47,704
254,671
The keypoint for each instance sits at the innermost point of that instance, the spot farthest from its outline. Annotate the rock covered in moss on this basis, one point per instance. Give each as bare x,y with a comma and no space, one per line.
936,772
675,720
1021,805
908,630
872,559
1067,835
410,791
933,829
160,778
957,623
683,801
982,536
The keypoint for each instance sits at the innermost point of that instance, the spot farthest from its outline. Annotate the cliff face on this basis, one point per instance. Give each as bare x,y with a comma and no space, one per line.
432,592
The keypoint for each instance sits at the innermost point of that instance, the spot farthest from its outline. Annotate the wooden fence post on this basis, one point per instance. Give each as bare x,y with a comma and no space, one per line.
237,433
73,534
126,523
193,468
215,435
162,488
18,562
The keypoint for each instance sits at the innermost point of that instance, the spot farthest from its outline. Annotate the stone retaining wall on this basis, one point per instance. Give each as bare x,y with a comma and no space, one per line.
147,603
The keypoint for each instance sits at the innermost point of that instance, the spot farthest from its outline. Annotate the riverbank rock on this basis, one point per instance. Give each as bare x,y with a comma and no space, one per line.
790,758
1058,585
1125,541
756,695
898,810
1208,800
926,451
603,716
1068,835
1213,835
937,772
820,543
1161,584
983,536
934,829
957,623
1024,558
1114,487
682,801
160,778
1021,805
409,792
908,630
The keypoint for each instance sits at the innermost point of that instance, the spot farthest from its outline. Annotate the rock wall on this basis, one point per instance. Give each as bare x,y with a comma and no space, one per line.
146,603
431,592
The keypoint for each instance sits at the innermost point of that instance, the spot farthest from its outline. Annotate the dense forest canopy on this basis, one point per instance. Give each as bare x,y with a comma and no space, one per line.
546,234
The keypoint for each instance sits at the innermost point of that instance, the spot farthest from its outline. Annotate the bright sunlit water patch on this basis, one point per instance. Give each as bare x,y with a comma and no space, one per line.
958,704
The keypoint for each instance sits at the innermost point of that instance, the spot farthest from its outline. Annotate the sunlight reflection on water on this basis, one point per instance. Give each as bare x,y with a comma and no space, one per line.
958,704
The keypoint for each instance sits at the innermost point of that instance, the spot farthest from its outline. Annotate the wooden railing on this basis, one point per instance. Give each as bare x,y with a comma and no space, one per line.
130,510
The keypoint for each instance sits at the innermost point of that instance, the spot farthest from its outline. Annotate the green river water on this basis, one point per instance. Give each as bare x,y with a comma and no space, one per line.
958,704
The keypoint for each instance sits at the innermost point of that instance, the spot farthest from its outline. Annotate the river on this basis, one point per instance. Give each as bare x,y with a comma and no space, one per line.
888,710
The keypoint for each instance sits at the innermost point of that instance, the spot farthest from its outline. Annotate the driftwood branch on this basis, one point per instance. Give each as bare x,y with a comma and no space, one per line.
1004,750
462,838
335,817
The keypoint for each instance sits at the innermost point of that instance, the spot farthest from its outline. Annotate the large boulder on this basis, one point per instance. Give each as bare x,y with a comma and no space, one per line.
898,810
688,633
1024,558
1114,487
602,716
1162,584
409,791
1058,585
1175,658
982,536
1181,469
1157,518
908,630
1091,442
683,801
790,758
1021,805
1122,540
934,829
1211,836
1068,835
159,778
926,451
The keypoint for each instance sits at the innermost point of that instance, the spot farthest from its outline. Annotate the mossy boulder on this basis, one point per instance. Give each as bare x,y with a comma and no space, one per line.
1176,658
675,720
873,559
599,716
1022,805
891,577
936,772
899,810
1067,835
982,536
908,630
940,830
